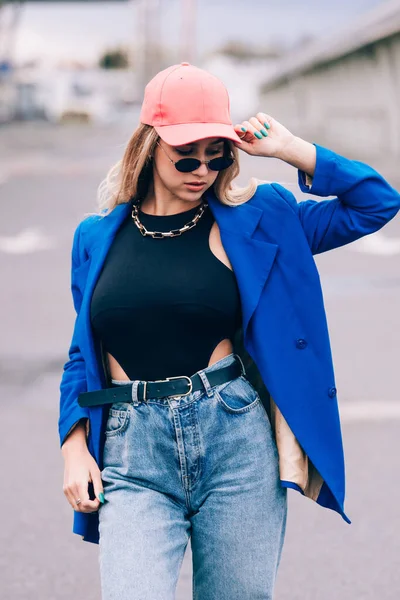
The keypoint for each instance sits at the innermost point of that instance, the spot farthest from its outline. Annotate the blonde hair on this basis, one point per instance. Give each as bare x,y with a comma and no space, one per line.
131,176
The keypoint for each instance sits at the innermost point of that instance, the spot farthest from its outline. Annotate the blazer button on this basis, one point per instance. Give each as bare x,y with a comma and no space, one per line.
332,392
301,344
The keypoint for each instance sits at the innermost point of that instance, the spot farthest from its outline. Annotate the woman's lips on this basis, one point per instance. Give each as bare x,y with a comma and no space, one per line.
195,187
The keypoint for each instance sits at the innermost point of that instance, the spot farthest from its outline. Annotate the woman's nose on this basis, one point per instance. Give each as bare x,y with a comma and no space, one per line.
202,170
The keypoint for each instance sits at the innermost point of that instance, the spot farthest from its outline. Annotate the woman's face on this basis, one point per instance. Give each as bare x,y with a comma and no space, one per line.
168,178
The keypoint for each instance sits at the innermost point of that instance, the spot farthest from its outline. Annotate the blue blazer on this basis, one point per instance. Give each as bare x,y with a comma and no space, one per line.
283,340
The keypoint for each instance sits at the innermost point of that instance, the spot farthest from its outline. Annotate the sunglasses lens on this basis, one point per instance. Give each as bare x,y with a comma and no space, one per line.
186,165
220,163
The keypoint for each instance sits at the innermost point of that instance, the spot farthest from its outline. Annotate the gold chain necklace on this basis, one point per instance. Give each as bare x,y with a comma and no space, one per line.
173,232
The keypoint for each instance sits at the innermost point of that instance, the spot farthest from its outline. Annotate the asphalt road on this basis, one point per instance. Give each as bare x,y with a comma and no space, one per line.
48,180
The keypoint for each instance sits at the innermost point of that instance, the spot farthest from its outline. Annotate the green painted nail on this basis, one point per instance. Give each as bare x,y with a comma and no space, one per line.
265,134
101,497
258,135
267,126
243,129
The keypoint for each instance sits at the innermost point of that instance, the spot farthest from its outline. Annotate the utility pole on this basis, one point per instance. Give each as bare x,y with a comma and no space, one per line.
149,36
9,31
189,31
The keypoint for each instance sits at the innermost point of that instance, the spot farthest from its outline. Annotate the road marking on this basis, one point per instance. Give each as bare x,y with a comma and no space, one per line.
26,242
367,410
377,243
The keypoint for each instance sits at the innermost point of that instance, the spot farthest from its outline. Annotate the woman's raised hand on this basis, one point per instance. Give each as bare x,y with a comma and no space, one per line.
263,135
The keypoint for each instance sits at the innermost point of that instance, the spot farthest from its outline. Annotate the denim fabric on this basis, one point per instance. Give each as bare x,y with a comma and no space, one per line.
204,467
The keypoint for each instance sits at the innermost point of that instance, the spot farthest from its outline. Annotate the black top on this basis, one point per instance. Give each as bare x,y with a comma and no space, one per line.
161,306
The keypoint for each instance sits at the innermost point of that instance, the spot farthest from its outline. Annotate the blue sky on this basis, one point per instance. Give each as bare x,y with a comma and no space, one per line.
65,30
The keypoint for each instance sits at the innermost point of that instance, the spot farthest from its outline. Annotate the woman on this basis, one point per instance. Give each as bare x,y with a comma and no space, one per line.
200,385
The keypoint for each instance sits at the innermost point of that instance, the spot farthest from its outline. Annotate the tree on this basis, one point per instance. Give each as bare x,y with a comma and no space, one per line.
117,58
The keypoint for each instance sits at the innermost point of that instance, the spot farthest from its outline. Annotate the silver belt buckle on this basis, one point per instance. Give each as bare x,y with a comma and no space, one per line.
190,385
169,379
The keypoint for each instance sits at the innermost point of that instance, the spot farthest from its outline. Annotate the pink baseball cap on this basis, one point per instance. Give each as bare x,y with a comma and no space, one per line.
184,103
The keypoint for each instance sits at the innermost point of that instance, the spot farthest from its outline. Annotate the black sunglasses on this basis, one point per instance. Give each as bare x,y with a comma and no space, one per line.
187,165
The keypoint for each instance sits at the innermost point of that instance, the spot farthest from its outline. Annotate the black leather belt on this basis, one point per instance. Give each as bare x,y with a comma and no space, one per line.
172,386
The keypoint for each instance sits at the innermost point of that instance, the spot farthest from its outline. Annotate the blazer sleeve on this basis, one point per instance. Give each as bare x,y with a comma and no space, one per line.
73,380
364,201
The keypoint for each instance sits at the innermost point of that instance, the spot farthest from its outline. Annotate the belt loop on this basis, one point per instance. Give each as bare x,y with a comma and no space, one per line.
206,383
135,398
241,362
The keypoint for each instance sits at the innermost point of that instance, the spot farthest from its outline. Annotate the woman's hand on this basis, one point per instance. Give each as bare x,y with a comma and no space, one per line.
263,136
80,469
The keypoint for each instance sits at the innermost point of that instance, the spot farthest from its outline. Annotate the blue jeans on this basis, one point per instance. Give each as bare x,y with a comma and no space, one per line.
204,467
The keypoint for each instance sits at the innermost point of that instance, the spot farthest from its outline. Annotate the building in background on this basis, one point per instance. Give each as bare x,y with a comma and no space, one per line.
7,92
344,92
239,66
69,93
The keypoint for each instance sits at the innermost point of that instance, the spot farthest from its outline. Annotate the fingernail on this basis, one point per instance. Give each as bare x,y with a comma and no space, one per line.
267,126
244,129
265,134
101,497
258,135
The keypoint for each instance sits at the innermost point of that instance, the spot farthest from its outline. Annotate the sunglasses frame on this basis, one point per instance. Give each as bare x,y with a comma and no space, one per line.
201,162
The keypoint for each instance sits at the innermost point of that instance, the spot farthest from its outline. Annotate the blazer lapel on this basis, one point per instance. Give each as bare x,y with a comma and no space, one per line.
251,258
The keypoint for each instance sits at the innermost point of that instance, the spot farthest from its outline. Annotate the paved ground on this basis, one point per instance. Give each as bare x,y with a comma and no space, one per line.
48,179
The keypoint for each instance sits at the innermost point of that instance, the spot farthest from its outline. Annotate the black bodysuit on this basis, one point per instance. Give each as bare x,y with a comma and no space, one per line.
161,306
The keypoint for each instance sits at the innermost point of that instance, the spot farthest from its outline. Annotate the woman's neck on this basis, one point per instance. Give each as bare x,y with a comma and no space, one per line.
153,204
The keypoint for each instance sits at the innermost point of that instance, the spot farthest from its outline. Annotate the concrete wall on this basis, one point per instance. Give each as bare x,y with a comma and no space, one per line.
351,105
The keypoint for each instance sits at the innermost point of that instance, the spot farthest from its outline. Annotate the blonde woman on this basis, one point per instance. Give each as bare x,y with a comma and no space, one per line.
200,385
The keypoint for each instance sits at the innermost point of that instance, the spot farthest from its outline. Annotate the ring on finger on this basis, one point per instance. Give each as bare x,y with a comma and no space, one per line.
78,501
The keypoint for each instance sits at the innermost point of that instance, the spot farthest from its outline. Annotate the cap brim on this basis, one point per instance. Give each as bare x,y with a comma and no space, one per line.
179,135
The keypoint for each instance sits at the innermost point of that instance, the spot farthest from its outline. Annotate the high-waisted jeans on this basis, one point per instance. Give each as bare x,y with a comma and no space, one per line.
204,467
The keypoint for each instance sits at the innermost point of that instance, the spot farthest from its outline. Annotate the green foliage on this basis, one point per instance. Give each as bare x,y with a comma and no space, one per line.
114,59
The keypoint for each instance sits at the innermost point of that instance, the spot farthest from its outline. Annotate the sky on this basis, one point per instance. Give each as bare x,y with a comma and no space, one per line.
81,31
